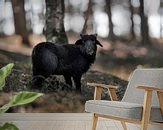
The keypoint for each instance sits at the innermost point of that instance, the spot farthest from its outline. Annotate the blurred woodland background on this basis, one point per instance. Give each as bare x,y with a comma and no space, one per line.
131,32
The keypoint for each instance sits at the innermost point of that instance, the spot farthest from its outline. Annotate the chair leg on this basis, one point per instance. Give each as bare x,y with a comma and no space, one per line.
124,125
94,122
144,126
146,110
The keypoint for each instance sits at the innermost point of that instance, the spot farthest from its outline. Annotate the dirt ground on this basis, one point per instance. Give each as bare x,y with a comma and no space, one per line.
113,65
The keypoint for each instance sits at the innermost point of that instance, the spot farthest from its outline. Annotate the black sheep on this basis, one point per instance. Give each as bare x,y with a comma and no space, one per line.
67,60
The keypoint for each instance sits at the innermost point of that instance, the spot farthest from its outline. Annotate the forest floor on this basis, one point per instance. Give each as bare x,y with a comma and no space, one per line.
115,61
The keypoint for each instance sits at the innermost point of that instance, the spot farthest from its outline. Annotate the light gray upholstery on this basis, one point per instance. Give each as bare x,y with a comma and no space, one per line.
146,77
132,104
115,108
125,110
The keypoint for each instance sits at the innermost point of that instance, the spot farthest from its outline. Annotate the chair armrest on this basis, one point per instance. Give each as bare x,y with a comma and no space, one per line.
101,85
98,90
148,98
149,88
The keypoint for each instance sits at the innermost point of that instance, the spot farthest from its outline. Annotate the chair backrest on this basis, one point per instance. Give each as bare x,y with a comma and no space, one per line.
146,77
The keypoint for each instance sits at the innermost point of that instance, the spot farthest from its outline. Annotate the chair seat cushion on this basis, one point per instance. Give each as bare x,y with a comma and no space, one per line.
125,110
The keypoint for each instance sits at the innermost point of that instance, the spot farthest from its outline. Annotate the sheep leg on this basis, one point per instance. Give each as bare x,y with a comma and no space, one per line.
77,80
68,80
37,81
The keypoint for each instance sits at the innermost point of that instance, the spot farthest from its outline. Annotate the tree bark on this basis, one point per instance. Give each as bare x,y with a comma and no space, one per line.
111,26
161,12
132,21
20,20
54,29
144,25
87,14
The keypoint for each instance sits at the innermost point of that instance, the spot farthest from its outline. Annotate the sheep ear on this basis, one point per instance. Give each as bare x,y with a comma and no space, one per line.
98,43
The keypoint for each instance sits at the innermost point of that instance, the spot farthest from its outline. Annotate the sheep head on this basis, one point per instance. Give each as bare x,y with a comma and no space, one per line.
88,44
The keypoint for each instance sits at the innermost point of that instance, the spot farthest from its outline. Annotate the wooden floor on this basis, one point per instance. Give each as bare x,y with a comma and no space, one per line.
57,121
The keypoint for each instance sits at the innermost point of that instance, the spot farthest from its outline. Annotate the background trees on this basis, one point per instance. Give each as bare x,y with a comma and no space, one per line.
20,20
109,13
118,19
54,25
144,25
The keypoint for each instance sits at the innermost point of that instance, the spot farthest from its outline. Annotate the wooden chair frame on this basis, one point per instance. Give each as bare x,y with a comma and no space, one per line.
146,106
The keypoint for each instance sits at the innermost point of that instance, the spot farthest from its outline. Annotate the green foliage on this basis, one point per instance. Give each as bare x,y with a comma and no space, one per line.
5,107
24,98
4,72
8,126
20,98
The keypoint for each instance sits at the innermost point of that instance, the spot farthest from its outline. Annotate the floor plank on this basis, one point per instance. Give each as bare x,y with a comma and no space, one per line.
57,121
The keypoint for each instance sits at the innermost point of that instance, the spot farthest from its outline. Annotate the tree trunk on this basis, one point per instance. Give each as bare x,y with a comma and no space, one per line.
144,25
87,14
161,28
20,20
54,28
111,26
132,21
